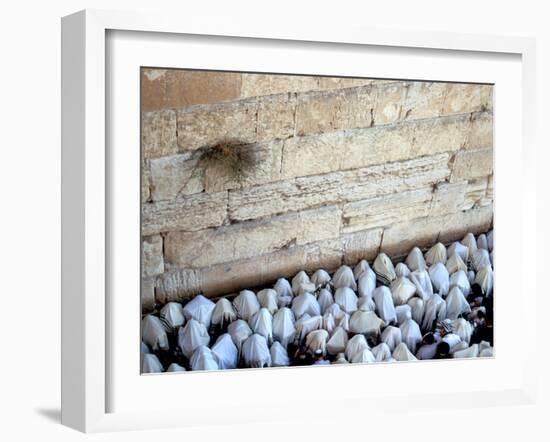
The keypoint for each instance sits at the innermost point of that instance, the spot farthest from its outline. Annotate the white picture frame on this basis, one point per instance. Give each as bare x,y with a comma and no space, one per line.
88,228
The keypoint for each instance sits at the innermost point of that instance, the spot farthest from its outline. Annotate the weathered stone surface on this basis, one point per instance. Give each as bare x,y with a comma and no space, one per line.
327,83
175,175
177,285
276,118
147,294
400,238
247,240
446,134
254,85
264,167
448,198
490,188
462,98
337,187
203,126
361,245
340,110
191,213
475,193
152,258
158,134
389,103
174,88
386,210
145,182
469,164
423,100
481,131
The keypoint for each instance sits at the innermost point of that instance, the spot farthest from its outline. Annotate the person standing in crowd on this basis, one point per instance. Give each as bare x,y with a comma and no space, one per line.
428,347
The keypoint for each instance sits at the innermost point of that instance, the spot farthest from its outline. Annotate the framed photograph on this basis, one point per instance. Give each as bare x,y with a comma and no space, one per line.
251,214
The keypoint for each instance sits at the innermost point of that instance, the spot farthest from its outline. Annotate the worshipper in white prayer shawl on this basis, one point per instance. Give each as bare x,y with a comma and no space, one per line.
444,333
428,347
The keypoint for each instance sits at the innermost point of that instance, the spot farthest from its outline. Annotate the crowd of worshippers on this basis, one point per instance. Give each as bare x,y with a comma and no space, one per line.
433,305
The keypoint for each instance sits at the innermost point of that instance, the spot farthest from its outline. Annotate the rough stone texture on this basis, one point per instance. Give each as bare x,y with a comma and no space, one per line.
246,240
145,182
469,164
147,294
207,126
254,85
158,134
346,109
175,175
481,131
265,167
338,187
174,88
276,118
448,198
475,195
361,245
386,210
189,214
152,256
461,98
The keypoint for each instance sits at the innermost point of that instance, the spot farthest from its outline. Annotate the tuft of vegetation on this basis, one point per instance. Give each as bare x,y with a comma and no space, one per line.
234,157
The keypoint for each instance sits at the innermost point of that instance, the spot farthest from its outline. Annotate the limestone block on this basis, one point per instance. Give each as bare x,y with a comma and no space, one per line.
248,240
203,126
360,245
158,134
475,193
463,98
147,294
190,213
469,164
423,100
145,182
152,259
276,118
481,131
254,85
448,198
389,102
175,175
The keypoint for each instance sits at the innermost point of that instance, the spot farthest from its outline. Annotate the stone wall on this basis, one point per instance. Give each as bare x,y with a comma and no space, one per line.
343,169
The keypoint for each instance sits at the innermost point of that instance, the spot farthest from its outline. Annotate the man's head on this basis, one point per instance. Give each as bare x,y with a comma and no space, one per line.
443,349
445,327
429,338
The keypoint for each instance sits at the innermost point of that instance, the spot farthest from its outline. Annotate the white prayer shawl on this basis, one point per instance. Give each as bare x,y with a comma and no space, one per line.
153,333
279,355
284,292
482,242
340,359
402,353
417,309
459,347
317,341
262,324
150,364
320,278
226,352
455,263
402,289
470,352
485,280
364,356
256,352
246,304
401,270
346,299
365,323
268,299
366,304
403,312
392,337
367,283
460,249
452,339
384,304
343,277
144,348
463,329
193,335
329,322
415,260
203,359
435,310
239,332
384,269
223,313
481,259
338,341
440,278
325,299
470,242
471,277
300,278
172,316
460,279
486,353
423,283
382,352
362,266
173,368
410,334
305,287
490,240
437,253
456,304
306,324
355,345
305,304
200,309
283,326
